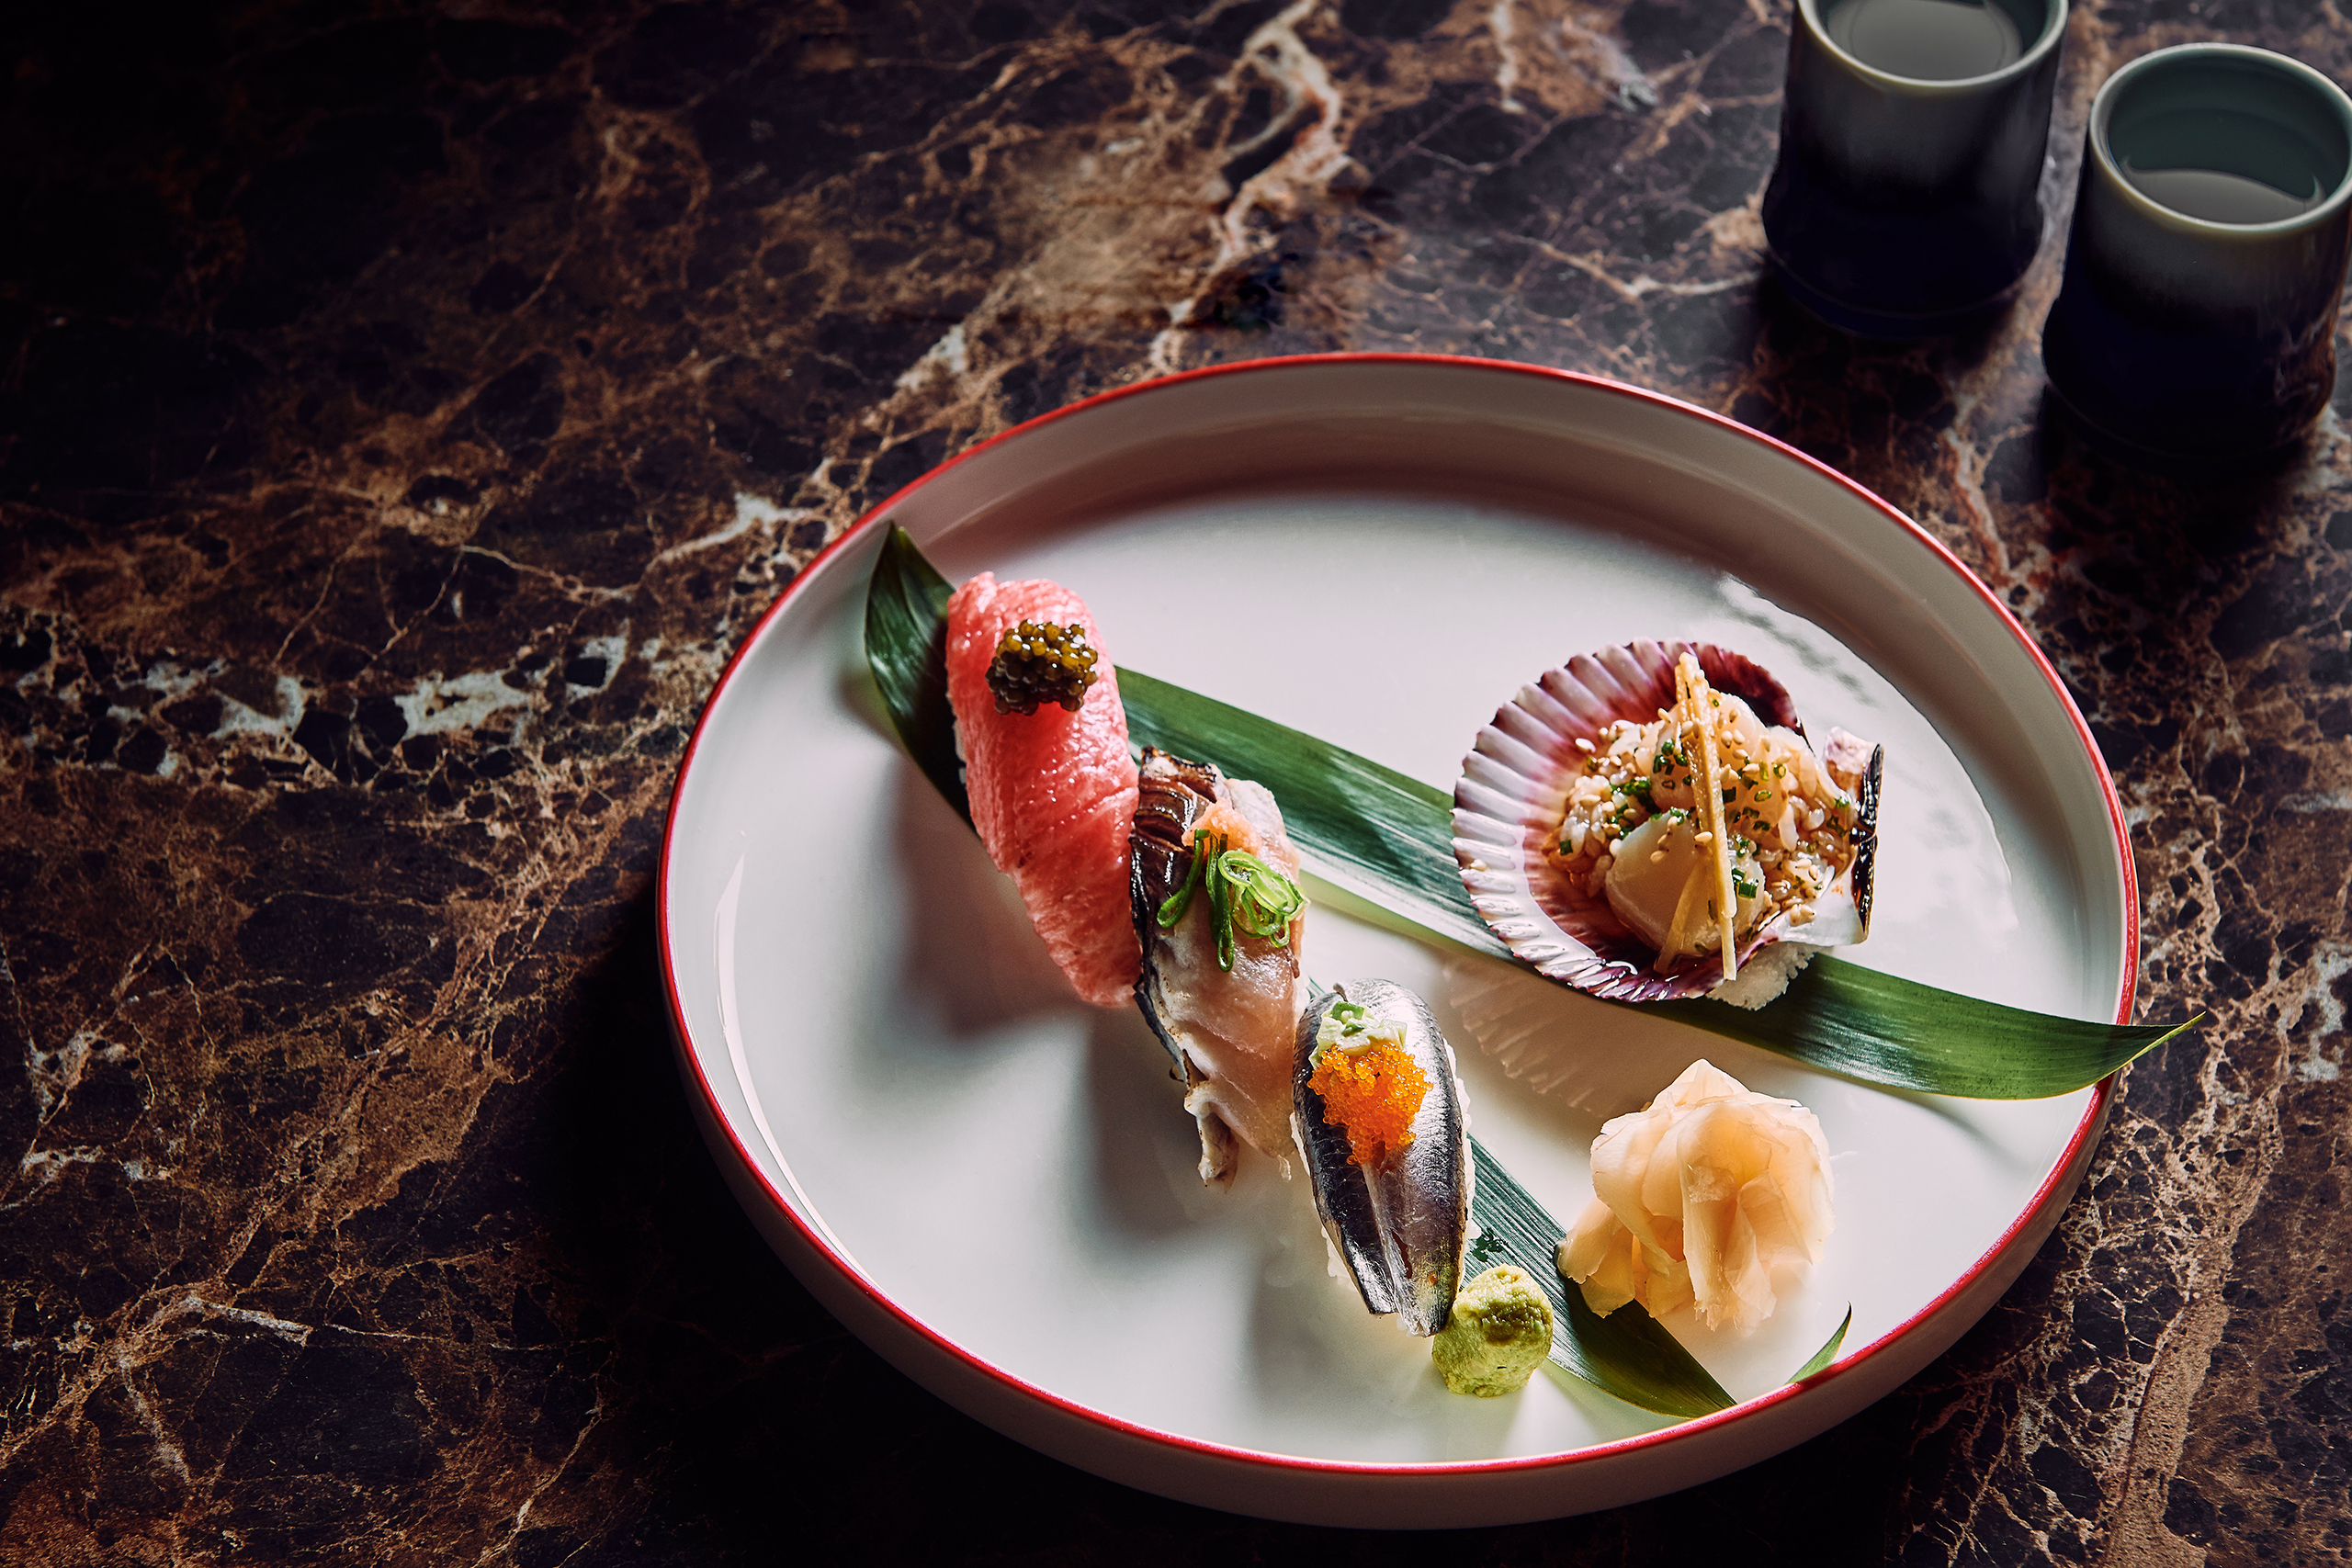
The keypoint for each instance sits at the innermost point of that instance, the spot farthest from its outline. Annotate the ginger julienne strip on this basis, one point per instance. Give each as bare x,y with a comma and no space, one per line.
1694,691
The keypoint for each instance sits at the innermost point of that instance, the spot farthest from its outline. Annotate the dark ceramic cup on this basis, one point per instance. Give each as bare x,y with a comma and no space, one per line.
1904,206
2196,322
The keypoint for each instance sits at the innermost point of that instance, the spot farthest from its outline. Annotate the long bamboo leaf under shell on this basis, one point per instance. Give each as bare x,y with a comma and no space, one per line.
1385,831
1390,837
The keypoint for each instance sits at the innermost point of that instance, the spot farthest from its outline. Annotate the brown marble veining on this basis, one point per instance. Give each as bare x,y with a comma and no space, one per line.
405,412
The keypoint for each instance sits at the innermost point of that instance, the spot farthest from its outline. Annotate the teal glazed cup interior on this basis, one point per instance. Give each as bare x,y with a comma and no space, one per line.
1903,207
2183,337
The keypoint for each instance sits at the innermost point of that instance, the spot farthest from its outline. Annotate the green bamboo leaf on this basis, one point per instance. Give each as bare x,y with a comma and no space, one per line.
1393,837
1882,1030
905,647
1386,837
1828,1352
1629,1353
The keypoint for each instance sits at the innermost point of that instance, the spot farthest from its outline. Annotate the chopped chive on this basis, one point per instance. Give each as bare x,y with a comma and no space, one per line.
1222,908
1263,900
1173,908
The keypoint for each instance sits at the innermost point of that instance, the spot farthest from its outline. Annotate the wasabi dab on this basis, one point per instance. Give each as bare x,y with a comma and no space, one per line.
1499,1333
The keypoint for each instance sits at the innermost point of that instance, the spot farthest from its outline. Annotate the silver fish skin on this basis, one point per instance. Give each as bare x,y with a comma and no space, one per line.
1399,1226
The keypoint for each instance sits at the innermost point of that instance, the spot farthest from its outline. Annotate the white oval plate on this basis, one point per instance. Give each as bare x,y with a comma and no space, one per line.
992,1183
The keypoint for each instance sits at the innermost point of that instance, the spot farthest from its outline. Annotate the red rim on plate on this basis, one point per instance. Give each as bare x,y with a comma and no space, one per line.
920,1342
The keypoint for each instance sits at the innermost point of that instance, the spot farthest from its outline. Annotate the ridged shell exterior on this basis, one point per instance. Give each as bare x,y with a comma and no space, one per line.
1514,790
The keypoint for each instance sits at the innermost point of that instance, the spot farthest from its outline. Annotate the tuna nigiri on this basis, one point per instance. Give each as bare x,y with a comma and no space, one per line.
1053,790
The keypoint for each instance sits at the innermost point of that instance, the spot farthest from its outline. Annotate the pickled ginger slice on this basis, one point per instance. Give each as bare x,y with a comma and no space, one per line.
1699,1197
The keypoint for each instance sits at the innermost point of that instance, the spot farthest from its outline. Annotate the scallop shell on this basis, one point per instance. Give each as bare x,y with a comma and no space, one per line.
1514,789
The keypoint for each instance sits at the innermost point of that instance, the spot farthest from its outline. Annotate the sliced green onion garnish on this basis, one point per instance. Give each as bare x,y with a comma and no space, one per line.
1262,899
1172,907
1242,888
1221,906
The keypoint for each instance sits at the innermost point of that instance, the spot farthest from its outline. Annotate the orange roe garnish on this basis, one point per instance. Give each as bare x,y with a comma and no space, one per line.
1374,1095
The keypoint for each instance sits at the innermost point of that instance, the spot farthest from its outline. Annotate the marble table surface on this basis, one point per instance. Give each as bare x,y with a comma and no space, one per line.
402,415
